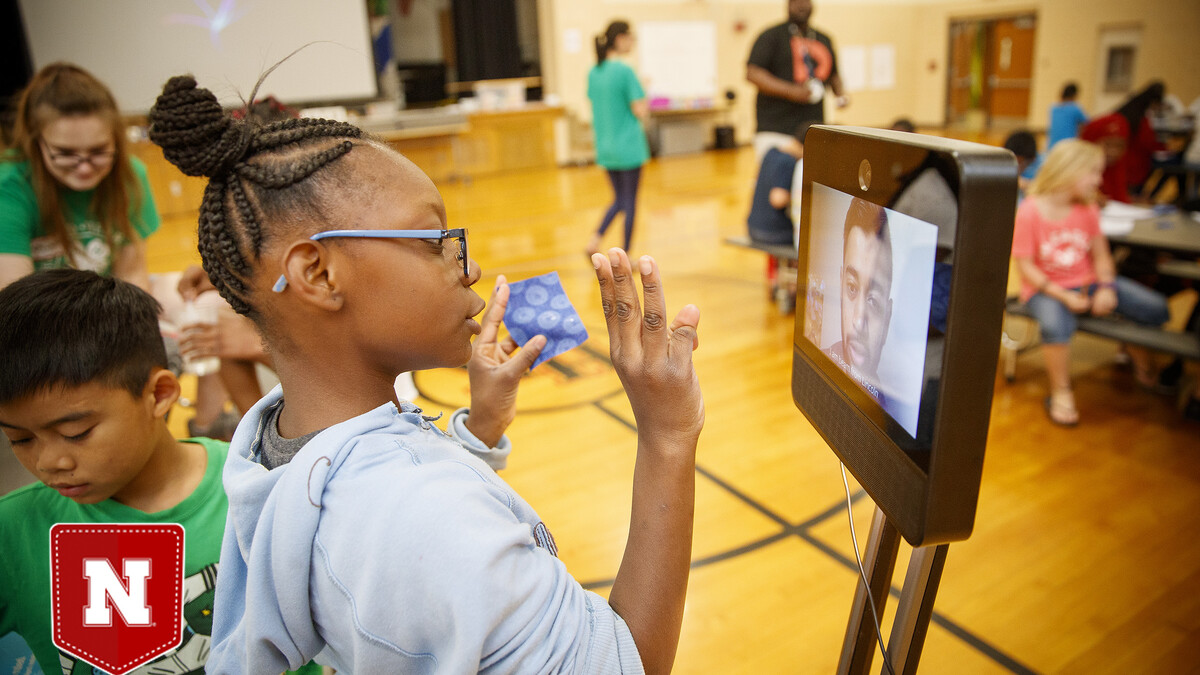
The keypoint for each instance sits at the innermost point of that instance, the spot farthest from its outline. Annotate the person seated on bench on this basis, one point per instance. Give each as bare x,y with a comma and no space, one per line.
1066,268
770,220
1111,133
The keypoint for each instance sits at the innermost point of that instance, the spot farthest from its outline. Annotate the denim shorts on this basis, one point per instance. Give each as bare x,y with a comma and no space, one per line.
1134,302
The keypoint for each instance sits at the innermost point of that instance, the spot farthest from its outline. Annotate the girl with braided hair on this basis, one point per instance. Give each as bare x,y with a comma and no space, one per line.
360,534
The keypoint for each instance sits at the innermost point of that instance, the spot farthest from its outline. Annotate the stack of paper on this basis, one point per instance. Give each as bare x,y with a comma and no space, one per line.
1117,218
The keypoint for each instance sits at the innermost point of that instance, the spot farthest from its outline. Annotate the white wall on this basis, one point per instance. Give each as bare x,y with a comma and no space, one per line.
1066,47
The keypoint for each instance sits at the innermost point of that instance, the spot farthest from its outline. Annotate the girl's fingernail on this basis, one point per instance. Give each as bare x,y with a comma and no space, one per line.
645,264
596,258
614,258
500,281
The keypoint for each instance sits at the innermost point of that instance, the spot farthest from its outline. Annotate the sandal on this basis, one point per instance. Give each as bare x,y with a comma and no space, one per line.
221,428
1060,408
1145,377
1150,381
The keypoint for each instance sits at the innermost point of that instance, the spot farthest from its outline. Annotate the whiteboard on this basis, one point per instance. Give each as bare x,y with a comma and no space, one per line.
134,46
678,59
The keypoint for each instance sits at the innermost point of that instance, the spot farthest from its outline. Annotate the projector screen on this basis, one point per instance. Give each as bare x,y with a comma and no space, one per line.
134,46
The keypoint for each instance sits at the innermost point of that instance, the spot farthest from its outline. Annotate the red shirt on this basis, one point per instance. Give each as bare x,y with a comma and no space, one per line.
1115,184
1139,156
1061,249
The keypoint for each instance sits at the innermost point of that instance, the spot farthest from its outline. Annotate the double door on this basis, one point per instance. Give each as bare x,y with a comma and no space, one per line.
991,71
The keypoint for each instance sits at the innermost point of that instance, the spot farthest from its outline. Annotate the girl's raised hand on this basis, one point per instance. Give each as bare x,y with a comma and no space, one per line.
495,371
653,359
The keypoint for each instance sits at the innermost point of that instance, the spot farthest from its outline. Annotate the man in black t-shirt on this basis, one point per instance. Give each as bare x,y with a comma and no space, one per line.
792,64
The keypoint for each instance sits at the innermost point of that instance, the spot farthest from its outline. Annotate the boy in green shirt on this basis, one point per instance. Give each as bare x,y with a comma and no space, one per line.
84,394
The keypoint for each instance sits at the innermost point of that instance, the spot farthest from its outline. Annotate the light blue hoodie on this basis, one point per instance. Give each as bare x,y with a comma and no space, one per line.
384,546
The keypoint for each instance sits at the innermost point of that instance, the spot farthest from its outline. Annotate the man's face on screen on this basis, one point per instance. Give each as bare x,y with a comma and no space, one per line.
866,302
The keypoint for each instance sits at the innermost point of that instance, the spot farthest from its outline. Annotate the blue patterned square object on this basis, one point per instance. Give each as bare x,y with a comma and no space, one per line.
539,306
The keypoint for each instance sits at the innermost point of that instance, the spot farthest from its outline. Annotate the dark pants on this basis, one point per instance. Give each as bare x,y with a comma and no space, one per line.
625,189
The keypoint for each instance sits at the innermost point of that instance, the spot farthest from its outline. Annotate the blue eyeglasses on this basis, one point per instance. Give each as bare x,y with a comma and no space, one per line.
459,234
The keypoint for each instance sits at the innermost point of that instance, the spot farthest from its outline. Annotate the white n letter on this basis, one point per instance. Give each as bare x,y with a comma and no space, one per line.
103,584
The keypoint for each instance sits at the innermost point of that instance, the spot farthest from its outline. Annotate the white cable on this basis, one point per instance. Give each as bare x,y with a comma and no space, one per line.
863,573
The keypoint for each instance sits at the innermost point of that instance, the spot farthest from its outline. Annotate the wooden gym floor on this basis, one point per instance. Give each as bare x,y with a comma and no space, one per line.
1086,552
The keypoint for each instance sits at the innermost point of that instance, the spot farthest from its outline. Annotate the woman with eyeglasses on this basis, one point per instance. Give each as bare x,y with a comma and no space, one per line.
70,193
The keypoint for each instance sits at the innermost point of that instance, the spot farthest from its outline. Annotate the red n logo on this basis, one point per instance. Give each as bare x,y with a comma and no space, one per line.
104,586
117,592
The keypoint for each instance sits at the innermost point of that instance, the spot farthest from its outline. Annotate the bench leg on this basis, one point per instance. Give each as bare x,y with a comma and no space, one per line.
1009,354
785,286
1015,337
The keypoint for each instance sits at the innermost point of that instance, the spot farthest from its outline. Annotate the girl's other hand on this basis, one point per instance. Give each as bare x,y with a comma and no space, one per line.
200,340
495,371
1104,301
1077,302
653,359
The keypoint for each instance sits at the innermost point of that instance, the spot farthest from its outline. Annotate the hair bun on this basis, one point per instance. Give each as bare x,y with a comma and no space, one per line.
195,133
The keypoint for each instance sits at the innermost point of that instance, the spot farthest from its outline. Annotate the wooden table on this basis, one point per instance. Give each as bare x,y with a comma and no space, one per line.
480,143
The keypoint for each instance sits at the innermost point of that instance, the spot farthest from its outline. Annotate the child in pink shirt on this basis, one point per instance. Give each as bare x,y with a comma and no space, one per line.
1066,268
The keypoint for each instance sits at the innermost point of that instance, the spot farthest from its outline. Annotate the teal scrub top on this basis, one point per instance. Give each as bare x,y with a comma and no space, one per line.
620,139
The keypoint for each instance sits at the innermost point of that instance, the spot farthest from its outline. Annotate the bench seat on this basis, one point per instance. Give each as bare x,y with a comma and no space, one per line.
1169,342
784,297
780,251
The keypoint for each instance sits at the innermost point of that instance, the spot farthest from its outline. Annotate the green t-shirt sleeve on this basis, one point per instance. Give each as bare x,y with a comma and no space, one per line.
7,582
633,88
18,209
145,220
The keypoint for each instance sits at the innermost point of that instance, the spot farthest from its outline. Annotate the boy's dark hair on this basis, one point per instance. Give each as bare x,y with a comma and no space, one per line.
1069,92
257,175
67,328
1022,144
903,124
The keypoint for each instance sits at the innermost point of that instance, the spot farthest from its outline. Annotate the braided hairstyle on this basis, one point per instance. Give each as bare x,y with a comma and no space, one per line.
261,178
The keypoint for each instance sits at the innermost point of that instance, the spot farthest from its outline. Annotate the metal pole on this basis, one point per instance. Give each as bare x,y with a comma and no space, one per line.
916,607
879,561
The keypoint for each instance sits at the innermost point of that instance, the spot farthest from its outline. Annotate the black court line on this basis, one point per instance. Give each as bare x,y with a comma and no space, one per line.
743,497
596,353
802,530
567,371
